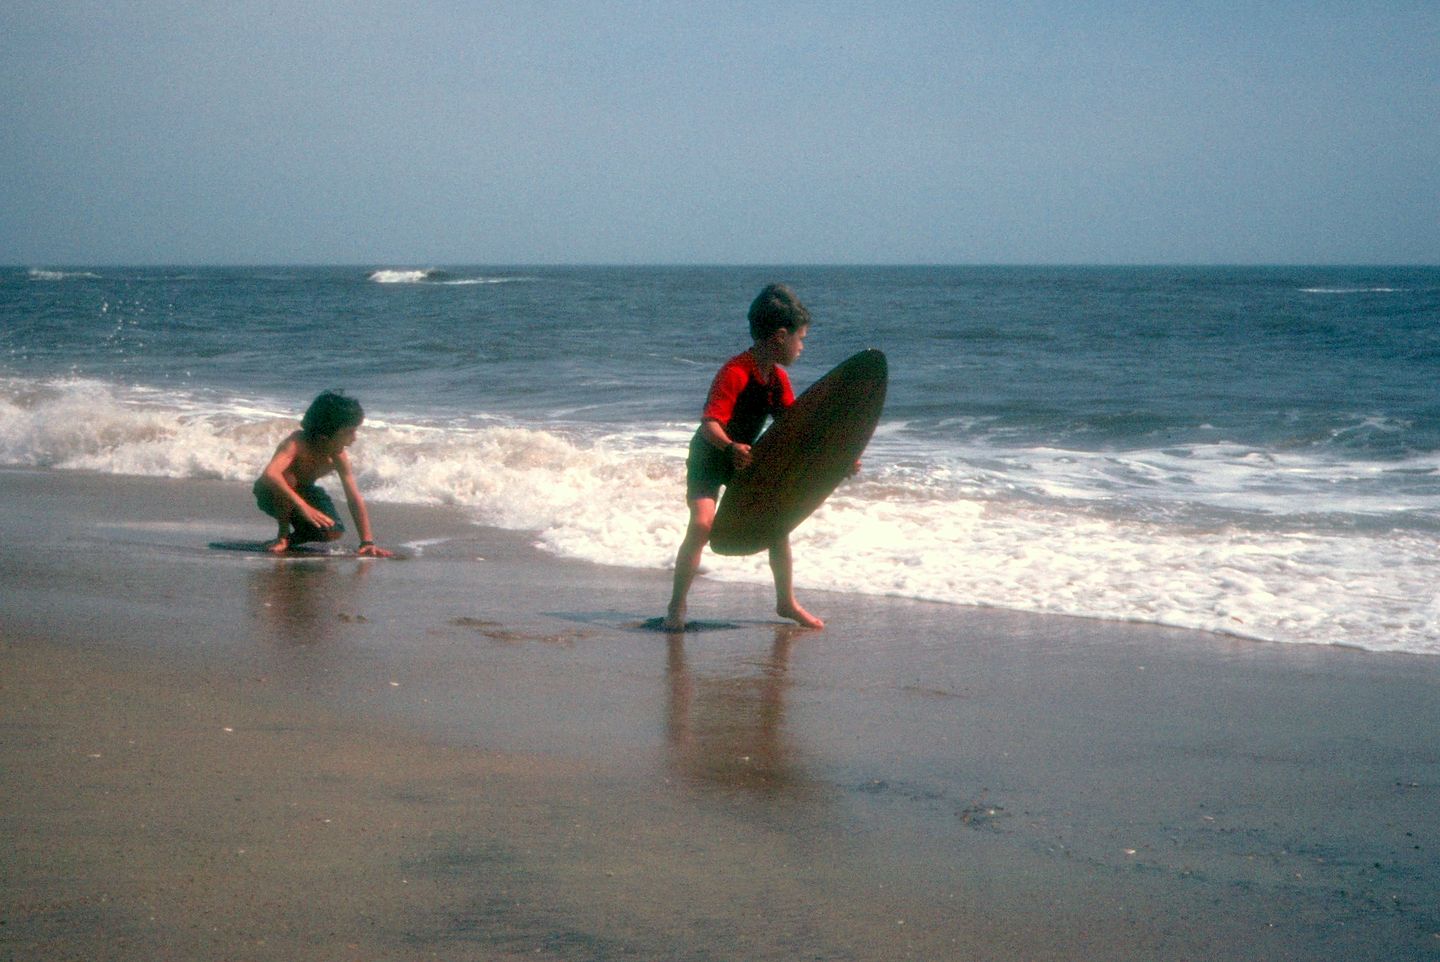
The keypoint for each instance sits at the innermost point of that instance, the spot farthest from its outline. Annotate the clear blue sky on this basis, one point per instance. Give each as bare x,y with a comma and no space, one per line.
999,131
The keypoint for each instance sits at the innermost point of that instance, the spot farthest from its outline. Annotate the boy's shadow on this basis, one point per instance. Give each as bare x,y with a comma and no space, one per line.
306,603
729,731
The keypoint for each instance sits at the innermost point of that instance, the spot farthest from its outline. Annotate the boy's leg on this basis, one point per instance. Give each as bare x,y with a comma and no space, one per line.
687,559
265,501
783,568
305,532
281,542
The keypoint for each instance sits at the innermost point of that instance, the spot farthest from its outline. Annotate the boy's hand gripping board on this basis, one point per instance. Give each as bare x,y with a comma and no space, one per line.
804,455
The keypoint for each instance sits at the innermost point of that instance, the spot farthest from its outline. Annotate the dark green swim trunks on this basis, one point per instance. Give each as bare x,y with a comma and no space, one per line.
301,530
707,469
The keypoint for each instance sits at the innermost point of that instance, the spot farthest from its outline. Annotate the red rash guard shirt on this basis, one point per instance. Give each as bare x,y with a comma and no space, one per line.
741,402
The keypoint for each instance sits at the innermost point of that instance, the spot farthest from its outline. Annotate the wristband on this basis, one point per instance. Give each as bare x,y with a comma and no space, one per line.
367,544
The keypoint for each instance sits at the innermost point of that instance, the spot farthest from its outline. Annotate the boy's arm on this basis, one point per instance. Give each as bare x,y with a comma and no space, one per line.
725,389
274,475
714,433
358,511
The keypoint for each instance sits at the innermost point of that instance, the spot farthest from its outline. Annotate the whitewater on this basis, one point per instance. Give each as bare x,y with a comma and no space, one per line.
1248,452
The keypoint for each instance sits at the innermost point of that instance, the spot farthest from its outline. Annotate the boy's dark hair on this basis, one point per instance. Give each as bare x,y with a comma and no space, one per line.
774,308
331,413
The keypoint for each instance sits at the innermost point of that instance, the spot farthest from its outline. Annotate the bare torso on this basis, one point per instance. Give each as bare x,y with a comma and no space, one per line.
308,464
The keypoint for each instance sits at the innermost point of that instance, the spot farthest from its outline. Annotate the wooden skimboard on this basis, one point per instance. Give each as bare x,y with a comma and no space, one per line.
804,455
308,550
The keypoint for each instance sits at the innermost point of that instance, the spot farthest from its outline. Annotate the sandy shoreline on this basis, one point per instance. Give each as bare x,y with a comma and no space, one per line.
476,754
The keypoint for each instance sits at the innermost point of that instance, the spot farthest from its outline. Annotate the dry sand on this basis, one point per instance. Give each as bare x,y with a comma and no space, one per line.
479,754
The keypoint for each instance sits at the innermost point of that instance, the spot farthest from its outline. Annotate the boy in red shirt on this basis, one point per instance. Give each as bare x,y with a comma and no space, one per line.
748,388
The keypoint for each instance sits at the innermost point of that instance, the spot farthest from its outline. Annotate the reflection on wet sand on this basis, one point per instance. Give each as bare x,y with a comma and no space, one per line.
729,731
306,603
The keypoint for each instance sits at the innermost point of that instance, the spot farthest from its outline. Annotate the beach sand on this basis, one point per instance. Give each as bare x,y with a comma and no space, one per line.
480,753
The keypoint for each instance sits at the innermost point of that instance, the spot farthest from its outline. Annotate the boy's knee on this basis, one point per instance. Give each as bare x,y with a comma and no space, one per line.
333,534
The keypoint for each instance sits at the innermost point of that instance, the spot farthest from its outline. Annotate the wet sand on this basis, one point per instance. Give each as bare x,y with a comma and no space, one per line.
478,753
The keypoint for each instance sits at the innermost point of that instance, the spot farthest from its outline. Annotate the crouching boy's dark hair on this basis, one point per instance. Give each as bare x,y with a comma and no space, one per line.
329,414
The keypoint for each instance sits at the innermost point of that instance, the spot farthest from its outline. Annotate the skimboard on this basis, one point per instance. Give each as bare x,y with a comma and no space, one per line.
804,455
308,550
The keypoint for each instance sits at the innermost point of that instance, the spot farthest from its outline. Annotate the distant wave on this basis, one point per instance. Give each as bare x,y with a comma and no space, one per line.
392,276
434,276
1352,290
485,280
40,274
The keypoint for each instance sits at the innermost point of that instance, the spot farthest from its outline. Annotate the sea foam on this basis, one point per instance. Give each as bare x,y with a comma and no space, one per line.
393,276
1352,290
436,276
954,533
40,274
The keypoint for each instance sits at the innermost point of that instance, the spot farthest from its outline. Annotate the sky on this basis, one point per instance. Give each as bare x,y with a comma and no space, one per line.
584,132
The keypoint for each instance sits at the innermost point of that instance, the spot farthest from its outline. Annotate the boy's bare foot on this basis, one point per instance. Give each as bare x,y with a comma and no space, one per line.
793,611
674,619
278,546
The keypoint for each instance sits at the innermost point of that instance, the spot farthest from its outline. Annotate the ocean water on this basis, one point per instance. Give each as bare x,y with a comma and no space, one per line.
1253,451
